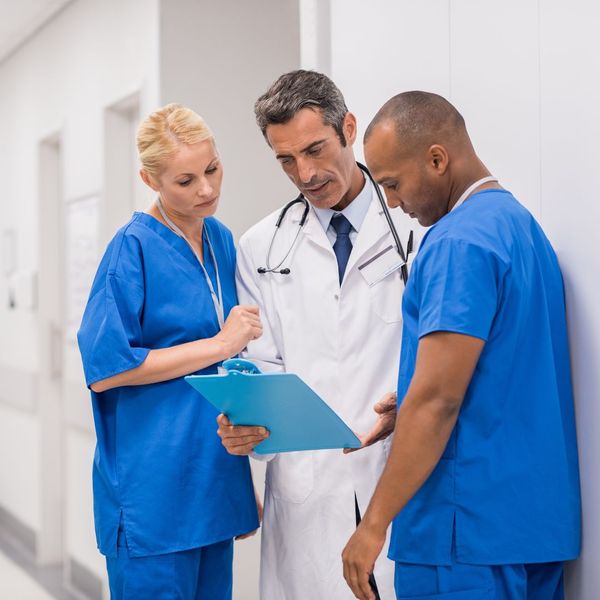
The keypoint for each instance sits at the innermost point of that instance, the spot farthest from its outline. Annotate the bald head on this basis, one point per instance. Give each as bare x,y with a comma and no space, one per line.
421,119
417,148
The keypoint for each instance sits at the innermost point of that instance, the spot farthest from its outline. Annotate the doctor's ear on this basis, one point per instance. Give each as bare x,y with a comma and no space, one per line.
438,158
349,128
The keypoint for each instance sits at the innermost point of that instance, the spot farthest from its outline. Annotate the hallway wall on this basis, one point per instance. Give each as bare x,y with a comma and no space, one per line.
77,89
524,74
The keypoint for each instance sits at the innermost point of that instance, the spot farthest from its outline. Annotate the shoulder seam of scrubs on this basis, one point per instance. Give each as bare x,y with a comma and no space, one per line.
113,274
116,253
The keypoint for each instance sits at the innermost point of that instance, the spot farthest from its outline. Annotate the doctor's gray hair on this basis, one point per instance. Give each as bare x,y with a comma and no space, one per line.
297,90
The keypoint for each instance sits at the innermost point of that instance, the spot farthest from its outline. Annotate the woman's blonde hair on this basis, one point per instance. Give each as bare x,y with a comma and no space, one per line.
160,134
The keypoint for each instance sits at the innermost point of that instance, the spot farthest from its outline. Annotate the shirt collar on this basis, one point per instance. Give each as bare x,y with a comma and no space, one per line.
355,212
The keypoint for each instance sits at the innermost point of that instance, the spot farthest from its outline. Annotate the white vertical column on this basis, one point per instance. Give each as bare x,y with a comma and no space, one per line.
124,190
218,58
315,35
50,411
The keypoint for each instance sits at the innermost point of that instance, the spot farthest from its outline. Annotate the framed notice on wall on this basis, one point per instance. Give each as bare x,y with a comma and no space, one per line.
81,258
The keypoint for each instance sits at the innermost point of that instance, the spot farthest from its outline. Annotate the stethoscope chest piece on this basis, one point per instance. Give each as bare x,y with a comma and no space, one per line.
277,268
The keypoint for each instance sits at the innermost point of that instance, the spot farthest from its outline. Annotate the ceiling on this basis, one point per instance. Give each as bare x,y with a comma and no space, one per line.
19,19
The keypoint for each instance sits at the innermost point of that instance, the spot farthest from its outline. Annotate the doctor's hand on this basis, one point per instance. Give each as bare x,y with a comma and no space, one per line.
359,558
384,426
241,326
239,439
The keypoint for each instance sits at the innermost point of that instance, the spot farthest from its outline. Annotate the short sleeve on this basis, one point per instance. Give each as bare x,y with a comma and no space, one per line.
110,336
458,286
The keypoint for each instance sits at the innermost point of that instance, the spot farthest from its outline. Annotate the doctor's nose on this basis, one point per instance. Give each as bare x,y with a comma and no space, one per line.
306,171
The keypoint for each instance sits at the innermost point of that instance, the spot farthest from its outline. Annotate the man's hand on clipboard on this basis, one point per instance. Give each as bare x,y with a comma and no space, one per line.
384,426
239,439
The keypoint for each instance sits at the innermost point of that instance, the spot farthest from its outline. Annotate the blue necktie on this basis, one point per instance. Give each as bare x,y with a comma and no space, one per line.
342,246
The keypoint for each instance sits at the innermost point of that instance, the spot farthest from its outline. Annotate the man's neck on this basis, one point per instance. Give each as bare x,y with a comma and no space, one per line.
357,183
467,178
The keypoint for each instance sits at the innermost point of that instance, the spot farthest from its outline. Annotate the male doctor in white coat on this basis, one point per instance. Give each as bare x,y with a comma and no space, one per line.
332,323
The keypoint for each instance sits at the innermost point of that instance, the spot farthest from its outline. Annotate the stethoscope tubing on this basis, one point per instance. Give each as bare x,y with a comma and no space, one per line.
300,199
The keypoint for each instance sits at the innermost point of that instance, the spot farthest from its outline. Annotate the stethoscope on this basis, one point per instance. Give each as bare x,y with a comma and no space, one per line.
217,297
302,200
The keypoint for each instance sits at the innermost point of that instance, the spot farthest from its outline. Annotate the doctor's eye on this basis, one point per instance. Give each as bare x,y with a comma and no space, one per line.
314,151
391,186
185,182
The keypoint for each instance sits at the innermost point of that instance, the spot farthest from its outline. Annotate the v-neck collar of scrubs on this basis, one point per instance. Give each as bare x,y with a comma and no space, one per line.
208,268
171,237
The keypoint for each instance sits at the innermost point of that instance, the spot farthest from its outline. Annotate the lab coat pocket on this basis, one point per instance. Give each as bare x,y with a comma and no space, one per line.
290,476
386,297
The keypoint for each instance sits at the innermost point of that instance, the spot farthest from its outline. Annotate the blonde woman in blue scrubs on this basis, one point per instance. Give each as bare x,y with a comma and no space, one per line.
168,498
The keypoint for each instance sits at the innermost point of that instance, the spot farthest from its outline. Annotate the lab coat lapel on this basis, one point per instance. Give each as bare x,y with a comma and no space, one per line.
314,233
373,229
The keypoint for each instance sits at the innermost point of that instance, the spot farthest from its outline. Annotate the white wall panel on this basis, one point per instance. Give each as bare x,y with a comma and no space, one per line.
570,86
525,74
382,48
495,84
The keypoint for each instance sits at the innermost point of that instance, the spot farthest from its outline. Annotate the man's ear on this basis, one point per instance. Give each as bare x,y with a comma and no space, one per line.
438,158
149,180
349,128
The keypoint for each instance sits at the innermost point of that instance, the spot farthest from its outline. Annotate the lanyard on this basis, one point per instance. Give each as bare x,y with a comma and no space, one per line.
217,299
471,188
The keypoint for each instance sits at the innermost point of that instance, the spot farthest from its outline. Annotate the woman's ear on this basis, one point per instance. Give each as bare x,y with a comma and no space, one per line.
149,180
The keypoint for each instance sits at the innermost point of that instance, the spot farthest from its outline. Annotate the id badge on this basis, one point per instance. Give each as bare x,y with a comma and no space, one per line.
381,265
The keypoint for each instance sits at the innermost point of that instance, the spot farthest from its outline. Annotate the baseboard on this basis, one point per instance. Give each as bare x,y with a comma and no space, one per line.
22,532
84,581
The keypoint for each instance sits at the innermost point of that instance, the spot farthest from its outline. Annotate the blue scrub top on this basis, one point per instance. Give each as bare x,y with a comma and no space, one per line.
507,487
159,468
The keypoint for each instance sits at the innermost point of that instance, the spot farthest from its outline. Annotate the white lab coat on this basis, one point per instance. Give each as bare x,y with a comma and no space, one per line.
344,341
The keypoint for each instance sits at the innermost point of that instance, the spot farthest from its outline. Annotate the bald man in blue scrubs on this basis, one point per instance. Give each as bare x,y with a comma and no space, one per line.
482,482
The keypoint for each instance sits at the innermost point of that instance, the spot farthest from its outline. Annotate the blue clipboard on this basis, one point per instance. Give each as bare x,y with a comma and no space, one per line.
297,418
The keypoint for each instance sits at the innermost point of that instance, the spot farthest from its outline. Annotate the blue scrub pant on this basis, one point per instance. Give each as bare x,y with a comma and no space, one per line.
542,581
199,574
